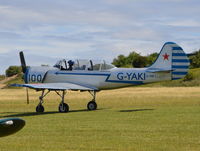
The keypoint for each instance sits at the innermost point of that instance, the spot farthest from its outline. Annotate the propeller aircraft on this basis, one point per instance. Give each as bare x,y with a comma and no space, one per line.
86,75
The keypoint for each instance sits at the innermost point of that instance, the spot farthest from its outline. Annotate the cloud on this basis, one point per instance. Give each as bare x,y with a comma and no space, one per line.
95,29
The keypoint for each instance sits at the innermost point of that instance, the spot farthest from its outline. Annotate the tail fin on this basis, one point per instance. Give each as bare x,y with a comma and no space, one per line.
172,57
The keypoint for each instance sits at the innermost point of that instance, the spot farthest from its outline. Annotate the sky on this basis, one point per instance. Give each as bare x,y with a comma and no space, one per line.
93,29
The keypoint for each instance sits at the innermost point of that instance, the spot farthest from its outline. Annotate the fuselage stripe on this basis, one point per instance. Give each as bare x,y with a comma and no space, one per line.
178,54
177,48
95,74
175,78
180,60
179,67
179,73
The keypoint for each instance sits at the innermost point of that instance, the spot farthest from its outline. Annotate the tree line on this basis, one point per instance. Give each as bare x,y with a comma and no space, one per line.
134,59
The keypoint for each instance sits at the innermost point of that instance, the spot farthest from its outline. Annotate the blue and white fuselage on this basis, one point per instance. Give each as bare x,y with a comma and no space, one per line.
87,75
110,79
171,64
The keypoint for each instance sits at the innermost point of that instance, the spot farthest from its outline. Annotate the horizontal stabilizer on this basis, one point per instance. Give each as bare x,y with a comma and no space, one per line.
153,70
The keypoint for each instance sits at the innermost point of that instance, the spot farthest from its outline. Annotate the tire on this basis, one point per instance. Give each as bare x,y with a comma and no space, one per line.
40,108
63,107
92,106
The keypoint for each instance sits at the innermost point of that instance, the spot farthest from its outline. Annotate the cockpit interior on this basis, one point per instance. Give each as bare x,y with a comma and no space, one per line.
88,65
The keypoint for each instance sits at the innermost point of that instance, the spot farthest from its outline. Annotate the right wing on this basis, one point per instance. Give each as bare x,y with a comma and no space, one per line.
57,86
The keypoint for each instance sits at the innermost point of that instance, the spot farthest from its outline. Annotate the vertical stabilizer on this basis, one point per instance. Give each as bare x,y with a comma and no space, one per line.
172,57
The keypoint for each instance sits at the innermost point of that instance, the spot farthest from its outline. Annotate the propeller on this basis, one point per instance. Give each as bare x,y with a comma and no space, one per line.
23,63
24,67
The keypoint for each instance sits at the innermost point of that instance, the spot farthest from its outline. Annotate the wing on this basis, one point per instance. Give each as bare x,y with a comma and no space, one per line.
56,86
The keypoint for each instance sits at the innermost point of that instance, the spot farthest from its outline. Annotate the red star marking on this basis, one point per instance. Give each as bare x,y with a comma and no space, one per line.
165,56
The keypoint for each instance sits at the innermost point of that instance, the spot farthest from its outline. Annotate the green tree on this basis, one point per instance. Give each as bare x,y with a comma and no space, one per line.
13,70
195,60
139,62
131,57
134,59
120,61
151,58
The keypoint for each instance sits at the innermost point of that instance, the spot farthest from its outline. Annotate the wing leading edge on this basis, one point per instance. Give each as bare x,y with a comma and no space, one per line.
57,86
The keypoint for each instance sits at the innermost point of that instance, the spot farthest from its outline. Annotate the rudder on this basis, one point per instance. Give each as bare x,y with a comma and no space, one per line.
180,63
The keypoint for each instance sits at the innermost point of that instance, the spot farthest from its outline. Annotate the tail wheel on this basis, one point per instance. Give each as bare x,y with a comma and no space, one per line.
92,105
40,108
63,107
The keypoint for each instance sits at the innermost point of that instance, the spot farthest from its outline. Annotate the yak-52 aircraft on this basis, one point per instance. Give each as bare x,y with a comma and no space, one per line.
87,75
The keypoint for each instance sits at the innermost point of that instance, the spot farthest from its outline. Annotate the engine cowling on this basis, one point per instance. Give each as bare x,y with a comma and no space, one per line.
36,74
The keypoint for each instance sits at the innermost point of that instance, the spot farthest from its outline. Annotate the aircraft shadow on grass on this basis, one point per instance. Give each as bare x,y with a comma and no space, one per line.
23,114
136,110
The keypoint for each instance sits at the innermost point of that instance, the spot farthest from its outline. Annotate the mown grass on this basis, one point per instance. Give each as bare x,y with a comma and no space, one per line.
129,119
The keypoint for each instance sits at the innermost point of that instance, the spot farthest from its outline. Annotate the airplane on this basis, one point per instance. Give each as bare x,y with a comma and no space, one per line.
86,75
10,126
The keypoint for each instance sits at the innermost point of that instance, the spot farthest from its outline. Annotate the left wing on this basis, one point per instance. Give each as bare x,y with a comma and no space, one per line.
57,86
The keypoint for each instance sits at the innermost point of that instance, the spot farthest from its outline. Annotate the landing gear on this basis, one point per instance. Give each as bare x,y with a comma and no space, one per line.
63,107
40,107
92,105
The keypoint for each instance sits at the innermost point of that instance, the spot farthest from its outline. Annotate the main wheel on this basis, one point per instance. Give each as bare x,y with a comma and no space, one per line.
63,107
92,105
40,108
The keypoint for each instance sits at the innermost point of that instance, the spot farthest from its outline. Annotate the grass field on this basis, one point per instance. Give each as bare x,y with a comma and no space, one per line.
129,119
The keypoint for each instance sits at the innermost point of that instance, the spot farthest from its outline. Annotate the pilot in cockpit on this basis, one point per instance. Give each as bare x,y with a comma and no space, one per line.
70,63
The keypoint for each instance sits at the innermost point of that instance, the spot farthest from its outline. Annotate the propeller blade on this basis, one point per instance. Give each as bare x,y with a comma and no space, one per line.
23,63
27,95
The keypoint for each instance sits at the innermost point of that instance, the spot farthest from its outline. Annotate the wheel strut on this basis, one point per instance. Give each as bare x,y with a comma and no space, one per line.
40,107
63,107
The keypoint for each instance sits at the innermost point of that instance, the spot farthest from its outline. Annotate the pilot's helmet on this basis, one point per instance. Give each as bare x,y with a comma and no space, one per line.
71,63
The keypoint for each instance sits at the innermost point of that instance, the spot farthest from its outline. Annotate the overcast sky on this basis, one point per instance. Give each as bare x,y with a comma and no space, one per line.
94,29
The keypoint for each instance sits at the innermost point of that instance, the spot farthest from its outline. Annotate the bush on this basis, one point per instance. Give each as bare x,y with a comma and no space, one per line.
13,70
195,59
188,77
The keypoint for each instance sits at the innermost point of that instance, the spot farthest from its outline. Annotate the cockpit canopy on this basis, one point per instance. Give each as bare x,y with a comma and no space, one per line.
83,65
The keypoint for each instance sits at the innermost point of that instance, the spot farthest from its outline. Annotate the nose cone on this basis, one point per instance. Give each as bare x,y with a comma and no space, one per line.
10,126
